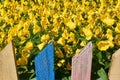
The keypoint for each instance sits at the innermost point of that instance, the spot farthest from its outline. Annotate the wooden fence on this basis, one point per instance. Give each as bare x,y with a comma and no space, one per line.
44,64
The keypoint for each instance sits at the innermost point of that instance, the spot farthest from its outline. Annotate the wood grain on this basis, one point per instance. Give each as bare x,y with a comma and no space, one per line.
114,72
81,64
7,64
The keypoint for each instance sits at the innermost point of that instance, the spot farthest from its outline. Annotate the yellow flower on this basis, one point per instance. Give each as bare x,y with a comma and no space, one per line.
24,59
68,49
97,31
65,34
61,41
62,61
88,33
40,46
23,33
117,28
55,28
59,53
2,35
45,38
111,44
36,29
83,43
28,46
77,51
117,39
44,23
103,45
71,37
109,34
10,38
71,25
23,39
59,64
109,21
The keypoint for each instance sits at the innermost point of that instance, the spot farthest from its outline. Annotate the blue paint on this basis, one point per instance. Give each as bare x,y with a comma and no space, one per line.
44,63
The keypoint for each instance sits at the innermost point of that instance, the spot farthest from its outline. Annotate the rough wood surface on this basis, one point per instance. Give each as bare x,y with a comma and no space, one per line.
44,64
114,72
81,64
7,64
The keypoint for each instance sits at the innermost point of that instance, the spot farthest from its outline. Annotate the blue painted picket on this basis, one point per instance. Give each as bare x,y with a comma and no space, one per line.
44,63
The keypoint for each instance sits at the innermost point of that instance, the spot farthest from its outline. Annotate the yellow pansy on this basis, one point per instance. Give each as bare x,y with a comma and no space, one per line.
97,31
40,46
65,34
103,45
62,61
111,44
23,39
83,43
71,25
118,15
61,41
24,59
117,39
45,38
109,34
71,37
44,23
36,29
117,28
109,21
88,33
28,46
68,49
59,53
59,64
2,35
77,51
10,38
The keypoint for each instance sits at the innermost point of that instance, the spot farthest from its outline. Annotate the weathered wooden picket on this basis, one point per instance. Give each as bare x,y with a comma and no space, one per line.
44,64
7,64
81,64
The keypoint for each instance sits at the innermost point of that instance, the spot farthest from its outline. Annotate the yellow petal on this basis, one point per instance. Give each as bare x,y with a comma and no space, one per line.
40,46
117,29
83,43
109,21
28,46
61,41
45,37
59,64
71,25
103,45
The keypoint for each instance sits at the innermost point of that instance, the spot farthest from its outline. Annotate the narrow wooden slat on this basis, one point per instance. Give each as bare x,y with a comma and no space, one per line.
81,64
44,63
7,64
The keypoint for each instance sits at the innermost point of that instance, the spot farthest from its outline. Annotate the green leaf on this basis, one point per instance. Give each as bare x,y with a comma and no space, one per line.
102,74
33,79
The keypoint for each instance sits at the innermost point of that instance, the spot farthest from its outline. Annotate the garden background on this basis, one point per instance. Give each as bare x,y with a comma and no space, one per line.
69,24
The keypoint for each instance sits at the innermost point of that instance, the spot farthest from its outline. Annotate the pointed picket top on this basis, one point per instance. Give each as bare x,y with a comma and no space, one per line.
114,72
44,63
81,64
7,64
